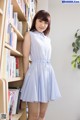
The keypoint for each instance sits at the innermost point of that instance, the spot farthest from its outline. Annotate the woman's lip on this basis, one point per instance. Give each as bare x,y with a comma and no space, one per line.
41,28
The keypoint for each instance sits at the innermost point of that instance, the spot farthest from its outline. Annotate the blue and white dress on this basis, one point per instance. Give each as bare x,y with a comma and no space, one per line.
40,84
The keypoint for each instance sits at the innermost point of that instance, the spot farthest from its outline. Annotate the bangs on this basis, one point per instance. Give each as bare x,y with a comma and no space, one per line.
44,16
46,19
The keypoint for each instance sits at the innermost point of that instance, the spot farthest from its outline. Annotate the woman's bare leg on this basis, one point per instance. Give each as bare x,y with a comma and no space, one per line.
43,108
33,110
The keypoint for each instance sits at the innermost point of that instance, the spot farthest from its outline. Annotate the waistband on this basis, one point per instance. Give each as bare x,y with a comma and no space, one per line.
41,61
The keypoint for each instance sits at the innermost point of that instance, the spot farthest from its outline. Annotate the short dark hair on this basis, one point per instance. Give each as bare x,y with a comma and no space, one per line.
42,15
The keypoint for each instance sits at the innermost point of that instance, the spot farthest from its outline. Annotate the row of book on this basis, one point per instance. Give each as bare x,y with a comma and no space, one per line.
13,17
11,65
11,37
22,5
14,100
30,11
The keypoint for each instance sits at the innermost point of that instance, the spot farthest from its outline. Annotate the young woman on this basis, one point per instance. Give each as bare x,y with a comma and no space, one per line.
40,84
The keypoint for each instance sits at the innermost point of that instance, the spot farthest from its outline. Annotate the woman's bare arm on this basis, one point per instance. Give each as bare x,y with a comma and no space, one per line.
26,52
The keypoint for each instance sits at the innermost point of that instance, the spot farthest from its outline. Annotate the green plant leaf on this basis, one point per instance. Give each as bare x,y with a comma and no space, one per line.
76,46
73,44
75,50
76,34
74,57
73,64
78,60
78,66
78,43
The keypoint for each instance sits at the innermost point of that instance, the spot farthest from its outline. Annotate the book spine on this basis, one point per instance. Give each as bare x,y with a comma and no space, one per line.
17,67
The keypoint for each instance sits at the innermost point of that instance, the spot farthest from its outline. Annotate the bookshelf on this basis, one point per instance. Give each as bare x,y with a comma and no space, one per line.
14,22
2,18
2,82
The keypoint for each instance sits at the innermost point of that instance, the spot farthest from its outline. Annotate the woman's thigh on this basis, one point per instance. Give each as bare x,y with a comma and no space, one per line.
43,109
33,108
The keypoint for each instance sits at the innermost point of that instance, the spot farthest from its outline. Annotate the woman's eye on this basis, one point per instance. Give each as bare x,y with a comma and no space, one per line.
46,22
40,20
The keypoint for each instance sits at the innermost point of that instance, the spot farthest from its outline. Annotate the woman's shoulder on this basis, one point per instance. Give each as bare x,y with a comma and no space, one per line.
27,33
31,33
47,37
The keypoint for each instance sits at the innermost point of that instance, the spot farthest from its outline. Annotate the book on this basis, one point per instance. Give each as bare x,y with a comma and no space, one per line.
15,98
17,67
18,103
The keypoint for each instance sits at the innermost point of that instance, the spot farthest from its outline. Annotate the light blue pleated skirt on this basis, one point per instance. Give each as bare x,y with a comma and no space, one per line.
40,84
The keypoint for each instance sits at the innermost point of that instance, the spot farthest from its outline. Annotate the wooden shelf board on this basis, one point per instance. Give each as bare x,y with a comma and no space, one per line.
2,98
14,79
17,8
1,12
13,52
19,35
17,116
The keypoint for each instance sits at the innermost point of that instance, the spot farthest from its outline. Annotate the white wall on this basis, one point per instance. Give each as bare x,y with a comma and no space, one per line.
42,4
65,22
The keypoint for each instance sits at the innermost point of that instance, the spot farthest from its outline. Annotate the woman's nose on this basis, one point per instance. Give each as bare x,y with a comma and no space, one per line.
43,24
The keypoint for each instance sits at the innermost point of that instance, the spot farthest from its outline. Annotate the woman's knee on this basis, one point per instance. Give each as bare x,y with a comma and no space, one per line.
33,116
42,114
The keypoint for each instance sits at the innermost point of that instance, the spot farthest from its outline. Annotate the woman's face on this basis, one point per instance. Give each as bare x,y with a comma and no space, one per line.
41,25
